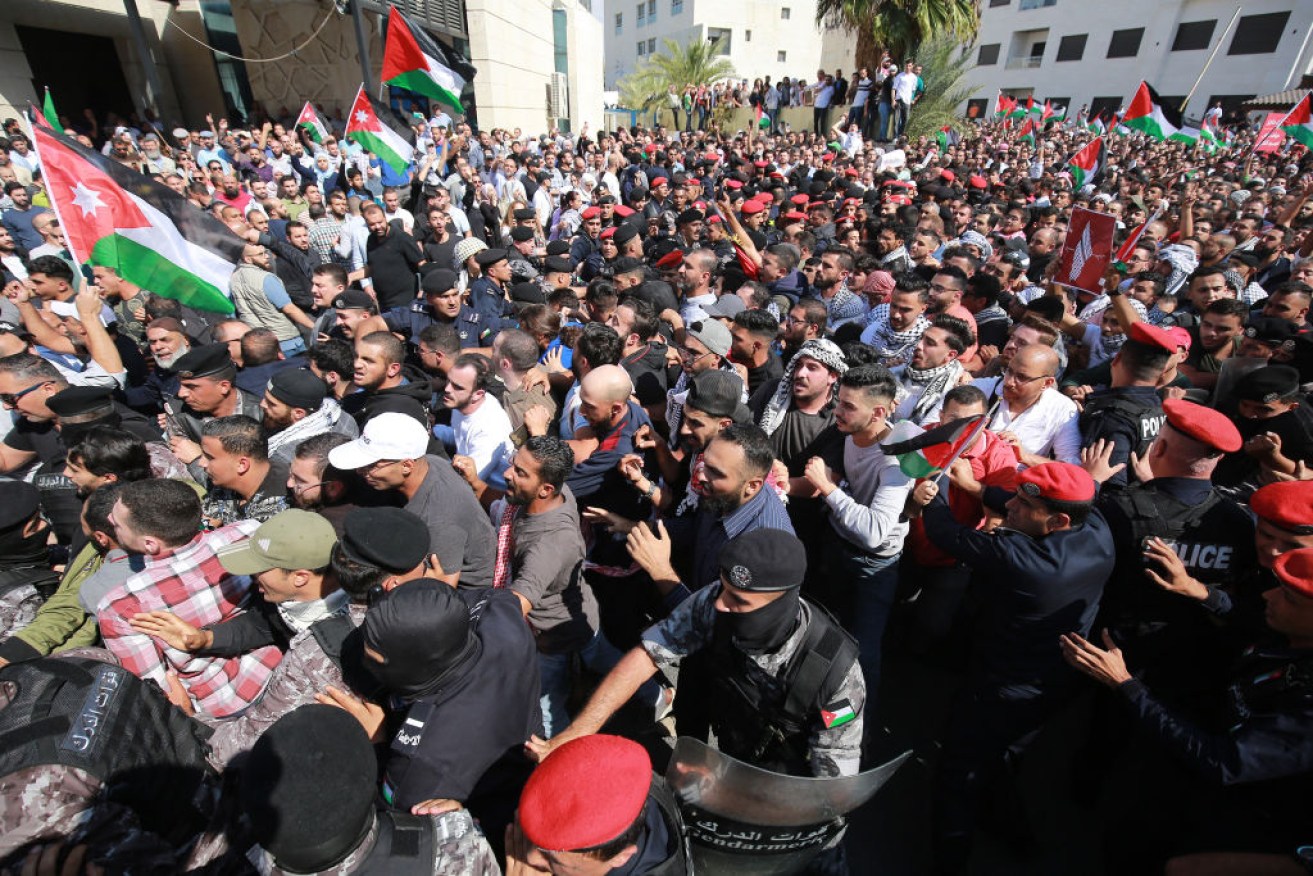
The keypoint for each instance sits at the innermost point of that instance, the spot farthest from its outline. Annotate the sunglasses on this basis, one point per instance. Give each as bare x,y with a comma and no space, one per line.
10,399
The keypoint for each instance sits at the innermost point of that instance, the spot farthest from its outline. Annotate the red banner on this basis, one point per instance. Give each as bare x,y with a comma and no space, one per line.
1087,251
1270,136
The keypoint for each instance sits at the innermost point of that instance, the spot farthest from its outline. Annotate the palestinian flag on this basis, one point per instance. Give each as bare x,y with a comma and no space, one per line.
1033,109
412,60
151,236
1186,134
1018,111
366,128
1147,113
1003,106
1096,125
1208,139
947,137
1087,164
1058,113
1046,113
1124,253
1298,123
922,453
1027,132
52,117
313,125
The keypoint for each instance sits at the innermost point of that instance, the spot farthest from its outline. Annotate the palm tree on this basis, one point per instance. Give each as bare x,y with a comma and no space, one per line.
899,27
698,62
945,62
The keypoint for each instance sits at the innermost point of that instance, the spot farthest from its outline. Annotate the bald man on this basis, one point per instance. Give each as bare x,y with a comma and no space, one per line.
1038,421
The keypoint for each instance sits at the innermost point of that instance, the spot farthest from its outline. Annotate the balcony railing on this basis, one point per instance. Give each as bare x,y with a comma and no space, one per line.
1027,62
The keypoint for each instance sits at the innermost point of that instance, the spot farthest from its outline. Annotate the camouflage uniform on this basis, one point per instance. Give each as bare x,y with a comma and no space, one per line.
459,849
18,608
60,622
831,751
304,671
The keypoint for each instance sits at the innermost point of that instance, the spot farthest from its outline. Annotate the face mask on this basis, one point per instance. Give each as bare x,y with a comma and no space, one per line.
764,629
16,548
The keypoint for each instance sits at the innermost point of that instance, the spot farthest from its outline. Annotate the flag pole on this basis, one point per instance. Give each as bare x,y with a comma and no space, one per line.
1211,56
1268,133
975,433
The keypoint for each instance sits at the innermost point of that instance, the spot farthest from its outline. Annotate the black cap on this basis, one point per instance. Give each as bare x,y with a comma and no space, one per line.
439,281
1271,330
604,200
354,299
764,560
18,502
523,214
638,193
558,264
689,215
76,401
717,393
521,233
1248,259
488,257
528,292
1271,383
558,247
204,361
627,264
392,539
624,232
298,388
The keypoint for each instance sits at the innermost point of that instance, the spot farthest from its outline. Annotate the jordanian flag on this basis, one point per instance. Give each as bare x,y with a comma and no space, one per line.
1087,164
1149,114
922,453
366,128
1298,123
151,236
413,61
1027,132
313,125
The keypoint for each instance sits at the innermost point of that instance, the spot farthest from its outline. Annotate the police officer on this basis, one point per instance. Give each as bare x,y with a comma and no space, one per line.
1129,413
26,579
488,294
595,806
307,790
1243,783
1038,576
1172,527
442,304
785,690
207,389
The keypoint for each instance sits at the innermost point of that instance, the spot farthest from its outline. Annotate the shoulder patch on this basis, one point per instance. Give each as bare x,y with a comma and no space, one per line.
838,714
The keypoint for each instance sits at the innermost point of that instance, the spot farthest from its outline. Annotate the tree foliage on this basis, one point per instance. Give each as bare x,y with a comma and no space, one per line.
899,27
945,61
698,62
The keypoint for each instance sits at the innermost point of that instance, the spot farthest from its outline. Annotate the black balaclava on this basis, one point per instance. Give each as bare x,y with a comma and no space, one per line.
763,630
17,549
422,630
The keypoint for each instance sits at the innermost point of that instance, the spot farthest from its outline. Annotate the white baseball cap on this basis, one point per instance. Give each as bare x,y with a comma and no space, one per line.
388,436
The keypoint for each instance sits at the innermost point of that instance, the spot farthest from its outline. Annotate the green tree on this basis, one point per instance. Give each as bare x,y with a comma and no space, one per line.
899,27
698,62
945,61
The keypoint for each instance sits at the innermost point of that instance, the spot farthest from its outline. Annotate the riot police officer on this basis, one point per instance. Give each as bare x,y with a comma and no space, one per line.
26,579
1129,413
442,304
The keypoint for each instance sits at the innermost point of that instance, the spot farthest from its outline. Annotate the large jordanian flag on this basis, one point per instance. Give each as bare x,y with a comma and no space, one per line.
374,135
1149,114
413,61
151,236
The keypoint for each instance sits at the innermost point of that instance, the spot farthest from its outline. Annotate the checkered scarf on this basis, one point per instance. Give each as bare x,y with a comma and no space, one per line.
823,351
895,347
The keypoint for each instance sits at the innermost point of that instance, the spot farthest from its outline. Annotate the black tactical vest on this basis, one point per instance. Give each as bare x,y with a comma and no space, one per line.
404,846
42,578
1144,418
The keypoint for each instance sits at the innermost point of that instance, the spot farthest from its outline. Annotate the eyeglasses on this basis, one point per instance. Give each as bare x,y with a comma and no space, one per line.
10,399
1009,374
689,356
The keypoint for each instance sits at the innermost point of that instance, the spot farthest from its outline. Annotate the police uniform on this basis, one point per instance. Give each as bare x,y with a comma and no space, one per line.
486,297
473,329
25,581
208,361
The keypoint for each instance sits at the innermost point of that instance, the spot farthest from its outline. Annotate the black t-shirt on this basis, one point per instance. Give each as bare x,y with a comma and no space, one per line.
771,369
441,255
393,262
39,438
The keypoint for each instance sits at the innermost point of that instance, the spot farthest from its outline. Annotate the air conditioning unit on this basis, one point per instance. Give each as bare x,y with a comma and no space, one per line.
558,100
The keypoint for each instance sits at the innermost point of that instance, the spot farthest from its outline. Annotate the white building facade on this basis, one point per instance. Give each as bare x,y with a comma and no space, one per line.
1083,53
774,39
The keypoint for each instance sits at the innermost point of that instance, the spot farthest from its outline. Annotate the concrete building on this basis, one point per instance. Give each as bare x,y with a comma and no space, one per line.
1077,53
539,61
761,38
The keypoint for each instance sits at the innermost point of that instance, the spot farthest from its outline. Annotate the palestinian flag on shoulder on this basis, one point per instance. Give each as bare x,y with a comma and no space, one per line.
922,453
1148,113
1298,124
413,60
151,236
366,126
1087,164
312,123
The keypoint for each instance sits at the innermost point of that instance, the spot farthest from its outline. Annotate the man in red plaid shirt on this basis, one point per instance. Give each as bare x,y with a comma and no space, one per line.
160,519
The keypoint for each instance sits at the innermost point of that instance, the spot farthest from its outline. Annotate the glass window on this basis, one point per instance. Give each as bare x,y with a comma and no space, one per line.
988,55
642,14
676,6
781,57
642,48
1193,35
785,12
1125,43
651,46
1258,34
619,22
1072,47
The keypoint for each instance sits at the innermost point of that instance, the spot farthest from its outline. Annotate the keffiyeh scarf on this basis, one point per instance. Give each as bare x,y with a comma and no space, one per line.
935,382
319,422
823,351
894,347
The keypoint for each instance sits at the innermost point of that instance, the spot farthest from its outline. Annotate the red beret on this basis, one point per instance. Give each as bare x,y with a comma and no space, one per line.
775,174
827,157
1058,482
1295,570
711,156
800,200
1180,335
977,182
901,200
847,201
796,216
590,791
659,181
608,232
764,197
947,175
733,184
692,181
1209,427
700,205
650,148
851,171
714,220
814,204
671,259
623,212
759,164
1287,505
592,213
751,207
1146,333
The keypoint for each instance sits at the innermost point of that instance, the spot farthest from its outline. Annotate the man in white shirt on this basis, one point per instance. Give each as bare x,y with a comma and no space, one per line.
483,431
392,209
1039,422
904,93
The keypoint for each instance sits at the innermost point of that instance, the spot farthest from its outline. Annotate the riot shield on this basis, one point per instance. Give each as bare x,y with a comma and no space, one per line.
744,820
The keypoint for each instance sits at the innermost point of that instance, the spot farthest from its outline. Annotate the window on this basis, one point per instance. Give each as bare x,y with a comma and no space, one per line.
642,14
651,11
1105,106
1193,35
1125,43
676,6
619,22
1258,34
781,57
993,3
1037,50
722,34
988,55
1072,47
1035,4
642,48
785,12
651,46
747,36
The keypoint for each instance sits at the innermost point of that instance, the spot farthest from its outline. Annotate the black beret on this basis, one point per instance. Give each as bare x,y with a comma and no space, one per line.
521,233
689,215
558,264
1271,383
625,232
489,257
626,264
76,401
393,539
1271,329
204,361
764,560
528,292
558,247
298,388
604,200
18,502
439,281
354,299
523,214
